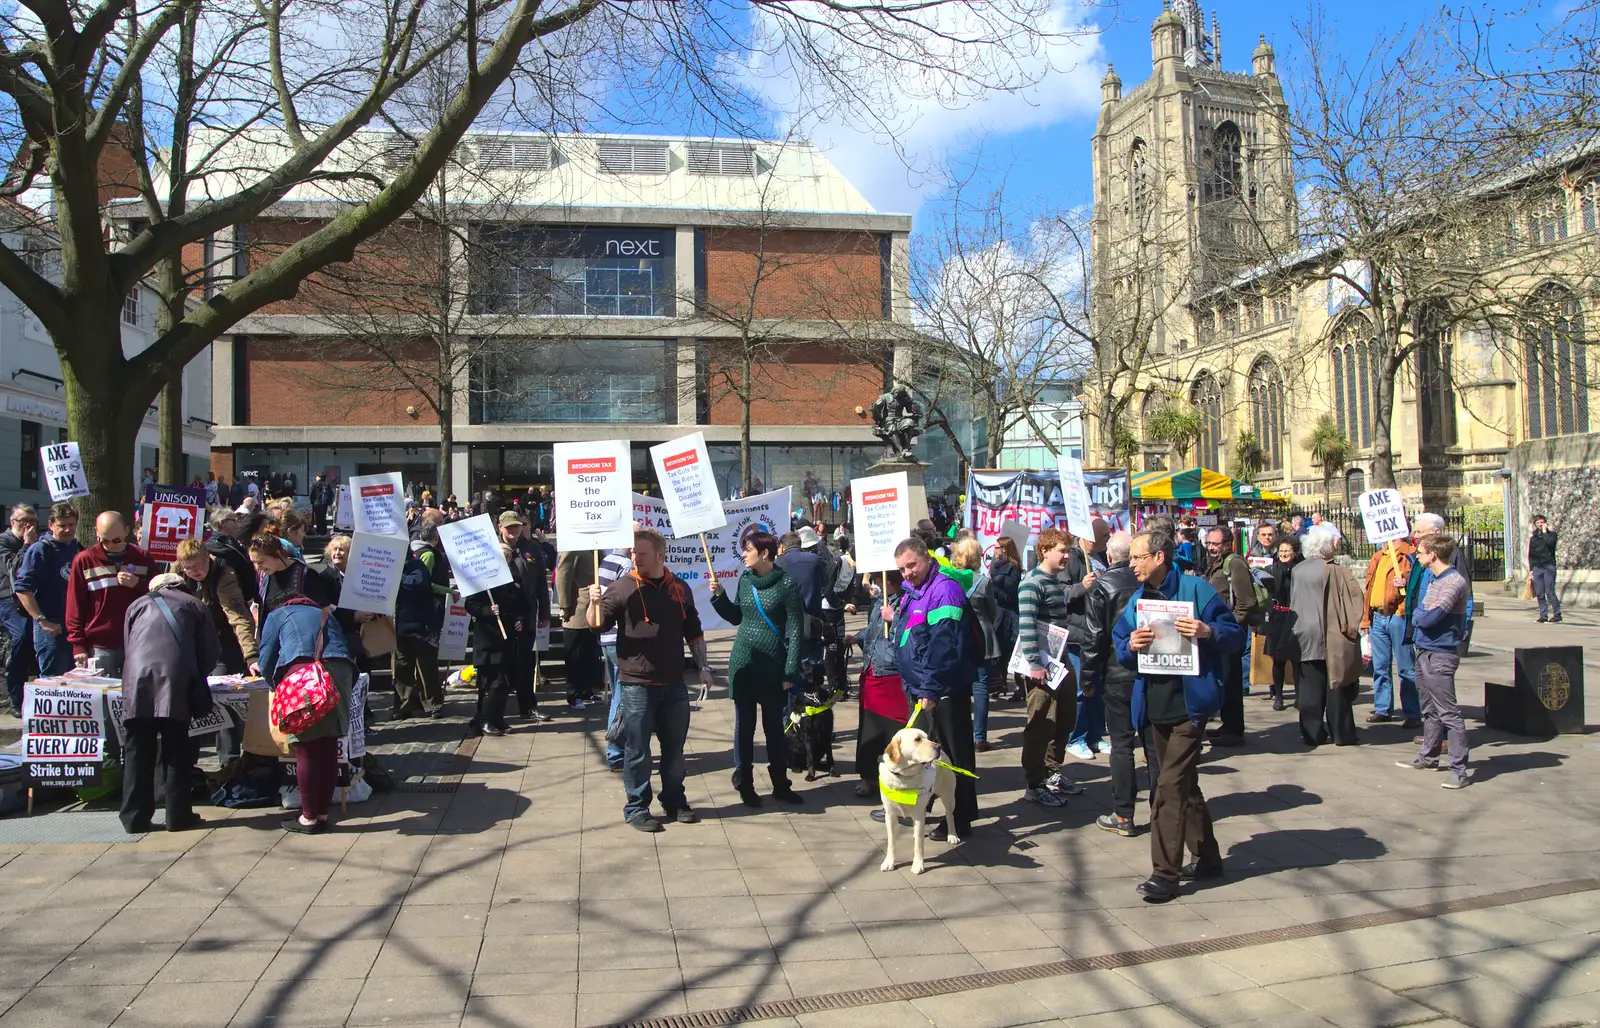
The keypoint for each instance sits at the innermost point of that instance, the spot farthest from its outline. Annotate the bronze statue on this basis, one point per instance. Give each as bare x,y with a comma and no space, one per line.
896,419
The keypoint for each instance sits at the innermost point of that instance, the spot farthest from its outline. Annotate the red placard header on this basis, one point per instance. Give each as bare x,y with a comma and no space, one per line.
606,465
681,460
377,490
880,496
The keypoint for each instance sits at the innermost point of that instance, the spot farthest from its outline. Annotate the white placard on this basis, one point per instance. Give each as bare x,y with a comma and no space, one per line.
372,576
1018,533
1170,653
881,506
355,737
688,485
768,512
1075,497
63,469
343,516
453,636
1384,514
473,547
593,482
541,639
63,734
379,504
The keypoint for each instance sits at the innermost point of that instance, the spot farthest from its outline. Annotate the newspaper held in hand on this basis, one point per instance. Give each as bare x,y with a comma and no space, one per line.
1056,665
1170,653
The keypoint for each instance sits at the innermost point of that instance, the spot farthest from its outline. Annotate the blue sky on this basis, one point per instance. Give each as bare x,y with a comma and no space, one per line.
1040,147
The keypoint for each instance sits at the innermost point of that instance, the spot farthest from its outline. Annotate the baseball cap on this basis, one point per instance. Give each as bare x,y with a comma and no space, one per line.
510,517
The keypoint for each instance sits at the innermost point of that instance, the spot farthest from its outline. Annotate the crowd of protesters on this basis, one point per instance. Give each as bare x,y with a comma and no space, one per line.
944,634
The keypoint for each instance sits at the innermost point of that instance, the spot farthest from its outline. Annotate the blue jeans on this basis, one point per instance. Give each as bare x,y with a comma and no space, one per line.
613,751
980,703
15,623
661,711
1544,590
1244,658
1389,650
1091,723
53,651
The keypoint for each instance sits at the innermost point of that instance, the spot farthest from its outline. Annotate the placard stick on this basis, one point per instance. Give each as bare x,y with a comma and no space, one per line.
886,600
705,548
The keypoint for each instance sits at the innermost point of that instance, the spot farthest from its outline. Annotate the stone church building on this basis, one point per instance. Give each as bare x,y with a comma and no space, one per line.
1194,183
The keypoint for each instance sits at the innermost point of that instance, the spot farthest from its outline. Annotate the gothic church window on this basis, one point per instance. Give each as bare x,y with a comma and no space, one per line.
1223,173
1139,174
1547,218
1555,371
1589,204
1356,363
1206,395
1436,397
1266,411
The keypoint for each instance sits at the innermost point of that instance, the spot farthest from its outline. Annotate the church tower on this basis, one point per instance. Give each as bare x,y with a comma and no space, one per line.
1192,178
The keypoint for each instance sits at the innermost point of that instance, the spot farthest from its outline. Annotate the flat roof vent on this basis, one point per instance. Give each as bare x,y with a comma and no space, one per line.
521,153
396,152
709,159
634,158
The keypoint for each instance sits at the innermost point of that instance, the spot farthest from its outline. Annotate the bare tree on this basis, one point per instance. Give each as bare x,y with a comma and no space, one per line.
786,312
276,92
995,333
1415,212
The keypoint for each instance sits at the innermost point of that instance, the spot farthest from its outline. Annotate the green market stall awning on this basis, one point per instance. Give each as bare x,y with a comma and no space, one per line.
1195,484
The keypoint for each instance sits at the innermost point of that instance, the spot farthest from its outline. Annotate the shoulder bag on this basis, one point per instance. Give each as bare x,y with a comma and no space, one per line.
783,641
198,689
306,694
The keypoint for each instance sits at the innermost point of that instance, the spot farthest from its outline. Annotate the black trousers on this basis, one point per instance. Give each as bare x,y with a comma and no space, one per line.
1232,696
952,729
494,685
772,710
1326,715
1119,727
522,683
581,649
153,740
872,738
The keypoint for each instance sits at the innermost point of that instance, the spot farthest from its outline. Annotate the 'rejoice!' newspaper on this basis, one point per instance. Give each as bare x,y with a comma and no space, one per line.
1170,653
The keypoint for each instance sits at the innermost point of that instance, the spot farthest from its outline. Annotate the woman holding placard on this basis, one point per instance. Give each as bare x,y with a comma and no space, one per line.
764,665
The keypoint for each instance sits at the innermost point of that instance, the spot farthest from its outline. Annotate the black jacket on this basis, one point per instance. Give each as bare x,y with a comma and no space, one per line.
231,552
489,647
808,571
11,550
1281,573
529,567
1007,579
1542,549
1103,606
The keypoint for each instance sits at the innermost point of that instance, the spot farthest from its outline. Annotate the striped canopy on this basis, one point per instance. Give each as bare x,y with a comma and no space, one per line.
1196,484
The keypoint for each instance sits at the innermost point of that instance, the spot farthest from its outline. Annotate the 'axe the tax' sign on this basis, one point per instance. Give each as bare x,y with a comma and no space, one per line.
63,469
594,502
688,486
1384,514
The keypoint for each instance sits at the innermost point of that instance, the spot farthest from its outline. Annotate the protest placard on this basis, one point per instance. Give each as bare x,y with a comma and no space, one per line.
688,485
1383,512
474,551
171,515
355,738
882,513
378,504
1170,653
765,512
343,515
593,481
453,636
372,576
63,734
1075,497
63,469
207,724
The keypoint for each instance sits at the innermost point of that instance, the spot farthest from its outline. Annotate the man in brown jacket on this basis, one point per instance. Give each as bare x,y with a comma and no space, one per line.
1229,575
580,644
1383,615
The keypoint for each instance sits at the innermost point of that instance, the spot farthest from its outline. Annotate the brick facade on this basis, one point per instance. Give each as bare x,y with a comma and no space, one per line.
810,385
386,275
808,275
294,382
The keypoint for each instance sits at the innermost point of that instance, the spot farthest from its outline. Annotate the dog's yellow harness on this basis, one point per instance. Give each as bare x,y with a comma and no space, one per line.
908,797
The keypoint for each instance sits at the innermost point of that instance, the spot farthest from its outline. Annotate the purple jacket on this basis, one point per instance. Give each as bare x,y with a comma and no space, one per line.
939,644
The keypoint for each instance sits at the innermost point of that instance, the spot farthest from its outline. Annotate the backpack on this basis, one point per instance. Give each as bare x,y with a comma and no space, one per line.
1263,597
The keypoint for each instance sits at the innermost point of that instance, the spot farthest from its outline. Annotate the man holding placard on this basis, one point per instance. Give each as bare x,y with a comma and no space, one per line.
594,507
42,588
1383,513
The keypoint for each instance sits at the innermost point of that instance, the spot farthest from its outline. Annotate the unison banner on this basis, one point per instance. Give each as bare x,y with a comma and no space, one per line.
766,511
1034,499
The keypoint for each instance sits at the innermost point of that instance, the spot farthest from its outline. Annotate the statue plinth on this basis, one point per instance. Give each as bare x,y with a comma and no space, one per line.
913,470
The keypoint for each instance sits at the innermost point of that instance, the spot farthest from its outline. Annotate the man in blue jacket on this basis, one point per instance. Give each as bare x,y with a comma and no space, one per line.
938,662
1177,708
41,588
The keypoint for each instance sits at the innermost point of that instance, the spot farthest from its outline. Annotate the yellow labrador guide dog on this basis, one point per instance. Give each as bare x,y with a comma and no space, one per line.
907,776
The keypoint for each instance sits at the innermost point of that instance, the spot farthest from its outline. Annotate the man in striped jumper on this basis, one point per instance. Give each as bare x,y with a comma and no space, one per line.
613,566
1042,602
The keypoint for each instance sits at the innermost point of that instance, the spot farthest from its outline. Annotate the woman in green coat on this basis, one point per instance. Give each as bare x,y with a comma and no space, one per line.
764,664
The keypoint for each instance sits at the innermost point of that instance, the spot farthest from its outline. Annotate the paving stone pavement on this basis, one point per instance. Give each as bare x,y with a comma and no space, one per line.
522,900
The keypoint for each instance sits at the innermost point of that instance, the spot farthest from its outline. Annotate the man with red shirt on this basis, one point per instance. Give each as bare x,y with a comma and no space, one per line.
104,581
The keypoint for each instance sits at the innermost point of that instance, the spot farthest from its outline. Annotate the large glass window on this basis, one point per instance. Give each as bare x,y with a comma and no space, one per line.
1206,395
578,381
1556,374
618,272
1266,411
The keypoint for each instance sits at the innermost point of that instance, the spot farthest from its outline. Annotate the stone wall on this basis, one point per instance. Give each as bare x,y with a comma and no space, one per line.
1559,478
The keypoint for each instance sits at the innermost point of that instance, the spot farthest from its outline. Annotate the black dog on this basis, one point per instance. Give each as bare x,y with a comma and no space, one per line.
810,731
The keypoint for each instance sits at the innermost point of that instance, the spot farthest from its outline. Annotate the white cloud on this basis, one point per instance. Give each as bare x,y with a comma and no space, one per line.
903,121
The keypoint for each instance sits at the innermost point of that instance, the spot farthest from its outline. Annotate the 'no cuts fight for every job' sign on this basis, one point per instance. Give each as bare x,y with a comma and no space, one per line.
63,734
